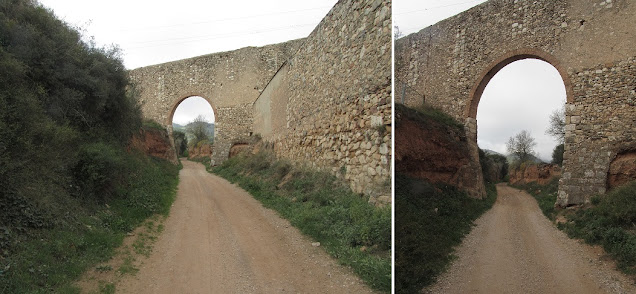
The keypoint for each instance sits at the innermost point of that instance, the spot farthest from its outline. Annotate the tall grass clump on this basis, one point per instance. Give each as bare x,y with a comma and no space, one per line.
323,207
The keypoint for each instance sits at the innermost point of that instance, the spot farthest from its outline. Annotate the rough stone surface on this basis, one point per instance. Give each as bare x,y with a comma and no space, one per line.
622,170
329,106
229,81
236,149
155,143
591,45
323,101
535,173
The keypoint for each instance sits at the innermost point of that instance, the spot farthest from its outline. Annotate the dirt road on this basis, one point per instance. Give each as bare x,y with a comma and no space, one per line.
515,249
218,239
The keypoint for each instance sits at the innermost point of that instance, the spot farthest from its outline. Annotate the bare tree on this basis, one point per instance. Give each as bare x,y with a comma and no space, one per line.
197,129
396,33
521,146
557,125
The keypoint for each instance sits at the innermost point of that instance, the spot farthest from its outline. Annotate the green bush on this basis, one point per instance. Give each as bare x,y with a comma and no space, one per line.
67,112
609,223
100,168
557,154
323,207
49,259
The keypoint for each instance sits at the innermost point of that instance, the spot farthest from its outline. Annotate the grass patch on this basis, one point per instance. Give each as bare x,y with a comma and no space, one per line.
49,259
545,195
151,124
425,112
432,219
610,223
323,207
107,288
128,266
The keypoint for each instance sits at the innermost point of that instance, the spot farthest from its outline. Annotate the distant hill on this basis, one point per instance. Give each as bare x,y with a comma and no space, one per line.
178,127
182,128
492,152
533,158
512,158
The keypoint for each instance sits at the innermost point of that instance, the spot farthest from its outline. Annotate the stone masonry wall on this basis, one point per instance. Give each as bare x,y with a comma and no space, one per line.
336,97
229,81
236,127
590,43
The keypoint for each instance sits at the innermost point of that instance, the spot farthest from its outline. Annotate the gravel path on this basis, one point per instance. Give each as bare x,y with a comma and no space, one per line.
218,239
515,249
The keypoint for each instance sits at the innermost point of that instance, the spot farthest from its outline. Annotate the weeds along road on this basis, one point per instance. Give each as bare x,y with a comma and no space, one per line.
514,248
218,239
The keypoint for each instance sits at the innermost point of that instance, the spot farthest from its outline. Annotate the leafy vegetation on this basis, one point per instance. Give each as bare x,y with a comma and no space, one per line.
323,207
545,195
49,259
557,154
432,219
198,131
180,143
494,167
437,115
610,223
69,190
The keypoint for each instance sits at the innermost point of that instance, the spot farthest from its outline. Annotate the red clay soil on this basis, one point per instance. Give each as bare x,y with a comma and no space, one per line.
427,149
622,170
537,173
154,143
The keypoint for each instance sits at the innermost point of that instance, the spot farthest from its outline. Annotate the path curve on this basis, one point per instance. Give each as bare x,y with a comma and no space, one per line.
218,239
514,248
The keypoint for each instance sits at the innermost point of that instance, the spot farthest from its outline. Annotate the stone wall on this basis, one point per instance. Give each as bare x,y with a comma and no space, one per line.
331,104
229,81
590,43
324,101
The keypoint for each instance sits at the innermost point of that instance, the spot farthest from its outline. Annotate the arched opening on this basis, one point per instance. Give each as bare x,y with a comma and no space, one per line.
192,121
497,65
237,148
521,93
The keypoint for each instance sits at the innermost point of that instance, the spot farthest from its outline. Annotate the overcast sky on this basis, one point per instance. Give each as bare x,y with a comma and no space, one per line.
153,32
190,108
519,97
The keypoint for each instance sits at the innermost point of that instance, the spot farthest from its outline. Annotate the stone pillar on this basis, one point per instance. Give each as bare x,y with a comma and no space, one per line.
474,179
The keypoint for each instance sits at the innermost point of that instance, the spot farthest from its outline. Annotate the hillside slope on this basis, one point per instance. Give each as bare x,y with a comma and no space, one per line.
69,188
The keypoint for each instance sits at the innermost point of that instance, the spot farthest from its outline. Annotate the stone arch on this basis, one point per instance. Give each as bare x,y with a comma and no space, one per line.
237,148
174,106
493,68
